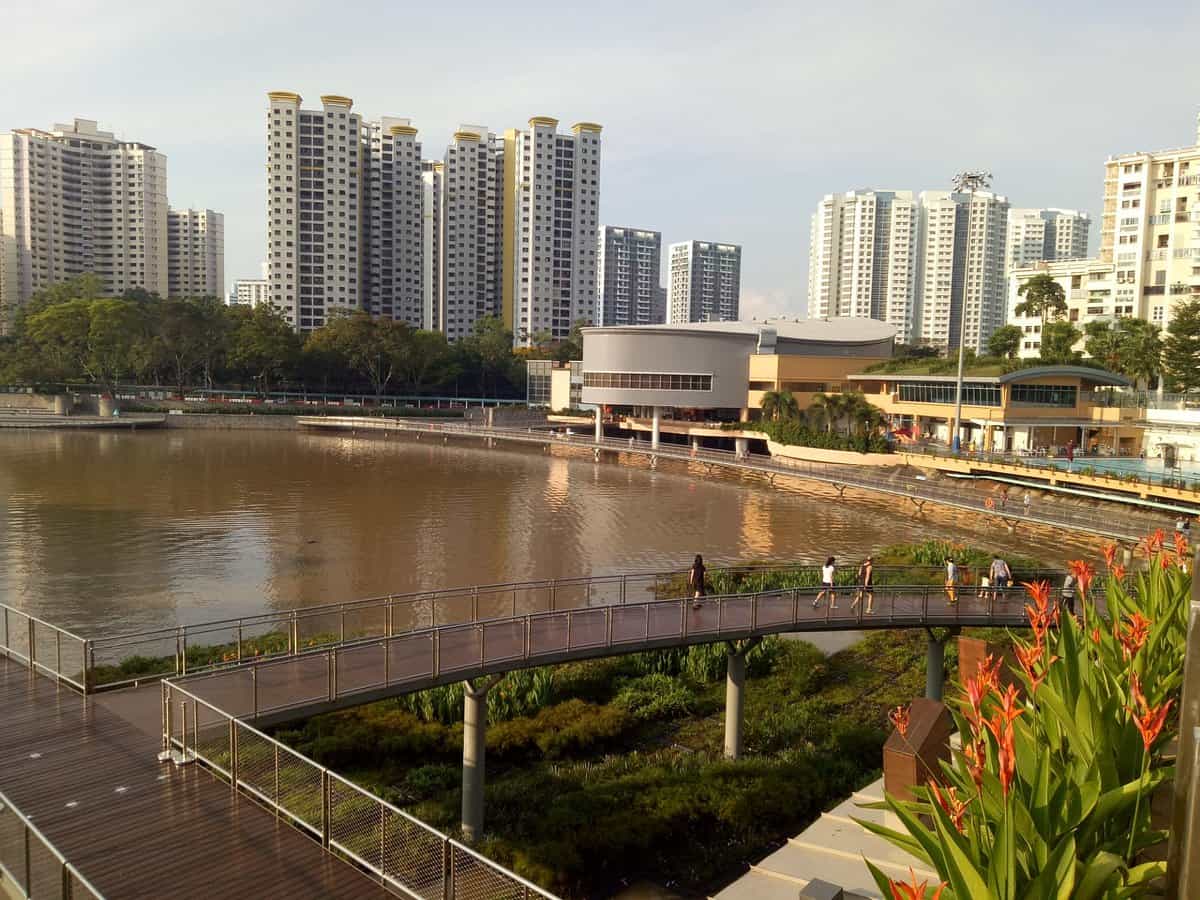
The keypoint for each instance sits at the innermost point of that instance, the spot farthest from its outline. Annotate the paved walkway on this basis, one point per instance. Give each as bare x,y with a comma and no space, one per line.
84,771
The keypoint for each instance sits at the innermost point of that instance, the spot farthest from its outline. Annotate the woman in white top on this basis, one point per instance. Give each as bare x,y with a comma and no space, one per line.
827,574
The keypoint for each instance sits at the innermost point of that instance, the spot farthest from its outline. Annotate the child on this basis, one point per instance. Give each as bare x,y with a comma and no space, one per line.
827,575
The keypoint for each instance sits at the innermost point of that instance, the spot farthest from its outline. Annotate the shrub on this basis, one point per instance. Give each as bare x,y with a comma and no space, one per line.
654,696
796,433
567,728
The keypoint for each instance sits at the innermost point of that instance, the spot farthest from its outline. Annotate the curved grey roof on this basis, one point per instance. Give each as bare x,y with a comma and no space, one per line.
841,330
1099,376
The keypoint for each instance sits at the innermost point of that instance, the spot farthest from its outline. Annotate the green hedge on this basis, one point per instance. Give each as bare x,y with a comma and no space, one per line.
797,434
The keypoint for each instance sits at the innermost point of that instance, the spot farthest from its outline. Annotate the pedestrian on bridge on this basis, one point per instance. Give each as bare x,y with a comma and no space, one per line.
951,580
1026,501
866,586
696,578
828,573
1000,575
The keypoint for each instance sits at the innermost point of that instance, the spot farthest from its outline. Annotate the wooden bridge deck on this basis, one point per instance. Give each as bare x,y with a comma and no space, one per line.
84,771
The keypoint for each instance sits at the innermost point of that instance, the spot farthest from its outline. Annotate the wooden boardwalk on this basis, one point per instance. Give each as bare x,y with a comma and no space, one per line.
84,770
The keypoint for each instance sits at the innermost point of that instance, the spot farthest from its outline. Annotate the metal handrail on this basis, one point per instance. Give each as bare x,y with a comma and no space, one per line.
72,884
315,810
21,643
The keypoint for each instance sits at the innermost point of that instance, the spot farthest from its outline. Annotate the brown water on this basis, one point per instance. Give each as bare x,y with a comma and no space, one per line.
107,530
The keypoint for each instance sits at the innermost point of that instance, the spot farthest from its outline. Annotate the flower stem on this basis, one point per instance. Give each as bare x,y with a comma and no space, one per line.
1137,804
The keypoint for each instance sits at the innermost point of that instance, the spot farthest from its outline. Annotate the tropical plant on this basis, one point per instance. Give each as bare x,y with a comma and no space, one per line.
779,405
1049,794
1181,349
1005,341
1058,343
1044,297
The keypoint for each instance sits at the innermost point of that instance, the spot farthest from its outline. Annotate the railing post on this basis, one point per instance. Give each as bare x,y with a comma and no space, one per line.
183,651
389,615
482,644
608,628
331,656
67,892
568,629
447,870
239,640
795,605
754,612
58,655
326,808
294,635
553,592
254,688
437,653
342,624
32,645
475,604
233,754
28,862
275,746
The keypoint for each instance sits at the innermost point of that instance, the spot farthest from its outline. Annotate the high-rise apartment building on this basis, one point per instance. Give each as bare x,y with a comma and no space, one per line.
628,283
195,253
1088,287
862,258
960,267
471,240
432,175
393,282
249,292
76,200
1150,230
551,215
704,282
315,168
1036,235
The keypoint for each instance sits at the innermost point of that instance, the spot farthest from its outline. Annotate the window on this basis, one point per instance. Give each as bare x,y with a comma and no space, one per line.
648,381
1044,394
975,393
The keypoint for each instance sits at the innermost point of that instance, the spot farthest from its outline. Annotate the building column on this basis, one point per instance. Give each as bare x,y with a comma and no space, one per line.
474,743
599,426
935,667
695,445
741,447
654,426
735,685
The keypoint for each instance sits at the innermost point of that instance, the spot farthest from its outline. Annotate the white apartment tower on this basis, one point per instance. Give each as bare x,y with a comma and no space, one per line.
862,258
1045,235
704,282
628,287
76,200
393,282
551,215
1151,229
961,267
432,172
471,239
315,167
195,253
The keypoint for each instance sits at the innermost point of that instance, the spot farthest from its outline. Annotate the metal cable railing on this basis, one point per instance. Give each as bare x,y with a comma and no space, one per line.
32,865
402,851
43,647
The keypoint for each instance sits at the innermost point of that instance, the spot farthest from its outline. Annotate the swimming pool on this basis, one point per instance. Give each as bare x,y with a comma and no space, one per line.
1122,465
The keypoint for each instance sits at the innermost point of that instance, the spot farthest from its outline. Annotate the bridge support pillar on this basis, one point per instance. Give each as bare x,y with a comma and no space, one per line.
735,685
935,667
599,426
655,423
741,447
474,738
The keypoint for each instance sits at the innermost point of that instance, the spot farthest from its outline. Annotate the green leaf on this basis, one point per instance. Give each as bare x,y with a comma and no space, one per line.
1096,875
1057,877
965,880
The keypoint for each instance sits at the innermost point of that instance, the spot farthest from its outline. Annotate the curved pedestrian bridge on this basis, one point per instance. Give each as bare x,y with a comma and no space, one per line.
90,767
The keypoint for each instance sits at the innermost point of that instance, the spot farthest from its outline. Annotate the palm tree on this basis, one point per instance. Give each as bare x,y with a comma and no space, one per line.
1043,296
825,408
779,405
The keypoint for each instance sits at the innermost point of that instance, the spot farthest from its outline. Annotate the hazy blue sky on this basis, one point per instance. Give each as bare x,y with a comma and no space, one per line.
722,121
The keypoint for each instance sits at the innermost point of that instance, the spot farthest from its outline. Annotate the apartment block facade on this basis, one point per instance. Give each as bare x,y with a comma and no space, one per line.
551,216
393,286
432,176
862,258
195,253
961,285
76,200
470,208
704,282
628,277
1035,235
1090,289
1150,229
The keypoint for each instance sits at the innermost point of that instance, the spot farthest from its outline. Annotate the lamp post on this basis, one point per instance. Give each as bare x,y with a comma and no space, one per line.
964,183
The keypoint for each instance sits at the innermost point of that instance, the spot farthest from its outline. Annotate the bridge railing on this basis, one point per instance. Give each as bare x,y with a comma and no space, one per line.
121,659
401,850
32,865
43,647
361,670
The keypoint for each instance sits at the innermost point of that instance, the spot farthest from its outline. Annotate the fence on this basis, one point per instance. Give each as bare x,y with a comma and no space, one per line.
31,864
44,647
189,649
400,850
363,670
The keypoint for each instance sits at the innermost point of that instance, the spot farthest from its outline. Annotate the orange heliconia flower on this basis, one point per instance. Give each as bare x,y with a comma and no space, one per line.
1110,555
1152,543
1002,730
950,802
1133,635
914,891
1096,636
1148,719
899,718
1083,575
975,754
1030,658
1118,572
1040,592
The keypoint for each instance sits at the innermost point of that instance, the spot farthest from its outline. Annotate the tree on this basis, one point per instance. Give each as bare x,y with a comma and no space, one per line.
178,335
1103,343
1058,342
1044,297
491,349
117,342
372,347
572,347
1181,349
825,408
779,405
262,345
58,339
1005,341
1130,346
426,361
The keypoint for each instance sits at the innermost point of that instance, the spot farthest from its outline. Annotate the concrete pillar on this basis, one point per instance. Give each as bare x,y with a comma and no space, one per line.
599,426
654,426
62,404
735,684
935,668
741,447
474,735
107,405
695,445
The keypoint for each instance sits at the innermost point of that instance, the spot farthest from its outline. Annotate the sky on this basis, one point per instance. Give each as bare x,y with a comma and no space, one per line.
722,121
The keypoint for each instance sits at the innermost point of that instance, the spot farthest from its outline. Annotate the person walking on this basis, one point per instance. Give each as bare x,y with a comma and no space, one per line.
1066,596
1000,575
1026,501
696,578
828,572
866,586
951,580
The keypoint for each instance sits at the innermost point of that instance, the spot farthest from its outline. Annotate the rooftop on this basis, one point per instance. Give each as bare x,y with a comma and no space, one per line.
991,374
836,330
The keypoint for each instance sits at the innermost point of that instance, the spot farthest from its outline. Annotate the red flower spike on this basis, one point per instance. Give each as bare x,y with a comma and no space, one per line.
1118,572
1001,728
953,806
1132,636
975,754
914,891
1030,659
1083,575
1096,636
1110,555
1148,719
899,718
1040,592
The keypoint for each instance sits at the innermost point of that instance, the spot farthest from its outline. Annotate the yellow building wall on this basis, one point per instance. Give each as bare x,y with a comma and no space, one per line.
799,374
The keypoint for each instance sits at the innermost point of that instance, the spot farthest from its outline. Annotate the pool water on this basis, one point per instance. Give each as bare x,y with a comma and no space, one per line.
1123,465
